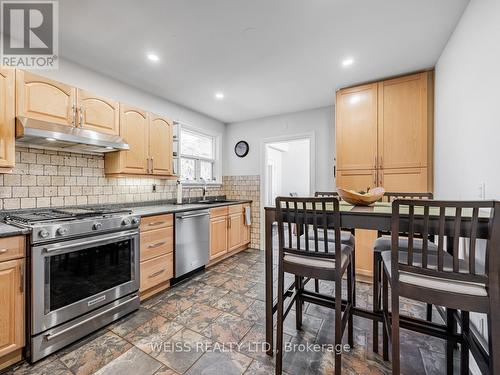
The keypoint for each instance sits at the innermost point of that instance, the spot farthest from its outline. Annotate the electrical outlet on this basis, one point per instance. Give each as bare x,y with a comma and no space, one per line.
482,190
154,188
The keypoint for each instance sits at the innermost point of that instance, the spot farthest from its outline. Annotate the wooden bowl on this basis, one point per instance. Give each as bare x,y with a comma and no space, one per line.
357,199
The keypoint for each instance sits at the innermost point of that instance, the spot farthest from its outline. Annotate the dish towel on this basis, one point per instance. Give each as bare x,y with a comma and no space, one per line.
248,220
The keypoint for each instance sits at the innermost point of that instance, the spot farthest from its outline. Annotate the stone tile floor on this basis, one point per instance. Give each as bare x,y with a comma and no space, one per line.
180,331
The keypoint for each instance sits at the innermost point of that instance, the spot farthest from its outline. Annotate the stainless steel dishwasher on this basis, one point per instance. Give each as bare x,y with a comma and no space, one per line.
192,237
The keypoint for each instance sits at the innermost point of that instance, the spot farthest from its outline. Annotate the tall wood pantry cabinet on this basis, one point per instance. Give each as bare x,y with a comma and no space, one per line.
384,137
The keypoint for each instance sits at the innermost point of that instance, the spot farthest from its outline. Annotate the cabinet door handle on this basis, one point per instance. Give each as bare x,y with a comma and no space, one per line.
374,178
73,114
3,251
152,165
375,160
381,162
81,116
156,273
156,223
21,273
158,244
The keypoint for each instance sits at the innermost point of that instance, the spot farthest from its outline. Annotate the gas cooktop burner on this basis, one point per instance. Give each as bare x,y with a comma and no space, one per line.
64,214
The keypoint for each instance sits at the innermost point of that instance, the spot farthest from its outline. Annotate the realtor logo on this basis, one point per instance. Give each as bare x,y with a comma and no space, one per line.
30,34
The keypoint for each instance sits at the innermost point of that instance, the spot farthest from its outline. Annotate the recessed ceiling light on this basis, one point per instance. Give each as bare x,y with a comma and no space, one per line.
219,95
153,57
50,139
347,62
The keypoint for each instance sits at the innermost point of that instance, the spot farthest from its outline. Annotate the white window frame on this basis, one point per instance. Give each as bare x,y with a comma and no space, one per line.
216,161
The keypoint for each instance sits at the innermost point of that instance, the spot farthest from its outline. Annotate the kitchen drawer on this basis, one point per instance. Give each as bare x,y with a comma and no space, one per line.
235,209
156,271
157,222
218,211
157,242
12,248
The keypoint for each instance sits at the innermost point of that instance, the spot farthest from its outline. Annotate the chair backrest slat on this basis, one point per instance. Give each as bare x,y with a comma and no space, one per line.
442,217
456,238
472,242
425,235
411,232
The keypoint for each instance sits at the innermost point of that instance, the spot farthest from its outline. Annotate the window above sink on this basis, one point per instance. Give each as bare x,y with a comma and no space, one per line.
199,157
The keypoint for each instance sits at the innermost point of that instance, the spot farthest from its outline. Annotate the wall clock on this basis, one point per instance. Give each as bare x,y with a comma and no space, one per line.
241,149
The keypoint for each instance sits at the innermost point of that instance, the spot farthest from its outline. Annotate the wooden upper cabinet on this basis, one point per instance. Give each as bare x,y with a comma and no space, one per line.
44,99
403,121
98,113
160,145
7,118
12,306
135,131
356,127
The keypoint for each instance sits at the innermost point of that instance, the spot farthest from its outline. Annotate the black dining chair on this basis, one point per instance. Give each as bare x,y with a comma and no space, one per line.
346,236
315,257
441,277
383,243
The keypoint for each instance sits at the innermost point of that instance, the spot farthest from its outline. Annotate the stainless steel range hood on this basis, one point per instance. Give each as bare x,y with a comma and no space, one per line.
42,134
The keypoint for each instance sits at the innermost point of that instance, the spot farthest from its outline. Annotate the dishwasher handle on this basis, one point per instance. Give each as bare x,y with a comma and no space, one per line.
193,215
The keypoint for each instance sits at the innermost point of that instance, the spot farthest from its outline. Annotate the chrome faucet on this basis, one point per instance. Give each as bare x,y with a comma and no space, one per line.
204,188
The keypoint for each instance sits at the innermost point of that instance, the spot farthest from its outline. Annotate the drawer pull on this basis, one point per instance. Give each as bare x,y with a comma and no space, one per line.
158,244
3,251
157,273
157,223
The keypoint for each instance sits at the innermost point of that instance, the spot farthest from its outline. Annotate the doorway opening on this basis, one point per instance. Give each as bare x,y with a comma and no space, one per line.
288,169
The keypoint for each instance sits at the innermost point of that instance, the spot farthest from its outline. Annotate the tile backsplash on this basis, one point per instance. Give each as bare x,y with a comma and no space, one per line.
44,178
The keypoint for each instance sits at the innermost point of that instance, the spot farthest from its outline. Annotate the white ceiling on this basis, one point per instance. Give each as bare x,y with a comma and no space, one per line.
266,56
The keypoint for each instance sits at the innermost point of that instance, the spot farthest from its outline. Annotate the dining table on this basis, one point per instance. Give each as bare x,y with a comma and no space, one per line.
374,217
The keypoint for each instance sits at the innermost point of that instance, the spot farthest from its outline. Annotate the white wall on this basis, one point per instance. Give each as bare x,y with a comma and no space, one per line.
467,113
82,77
320,120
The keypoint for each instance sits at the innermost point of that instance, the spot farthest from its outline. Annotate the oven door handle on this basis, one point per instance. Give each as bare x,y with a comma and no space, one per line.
64,247
49,336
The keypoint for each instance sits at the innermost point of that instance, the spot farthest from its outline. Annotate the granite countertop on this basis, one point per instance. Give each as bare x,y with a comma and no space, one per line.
142,209
7,230
169,208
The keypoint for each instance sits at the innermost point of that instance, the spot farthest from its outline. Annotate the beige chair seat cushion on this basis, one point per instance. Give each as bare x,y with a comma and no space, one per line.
345,237
431,282
311,261
384,243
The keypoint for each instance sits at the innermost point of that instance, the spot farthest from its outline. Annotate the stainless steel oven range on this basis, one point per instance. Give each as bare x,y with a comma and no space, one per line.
84,273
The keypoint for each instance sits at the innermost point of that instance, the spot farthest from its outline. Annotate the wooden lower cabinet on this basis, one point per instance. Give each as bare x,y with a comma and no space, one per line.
357,179
218,236
12,301
157,254
228,231
156,271
235,223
